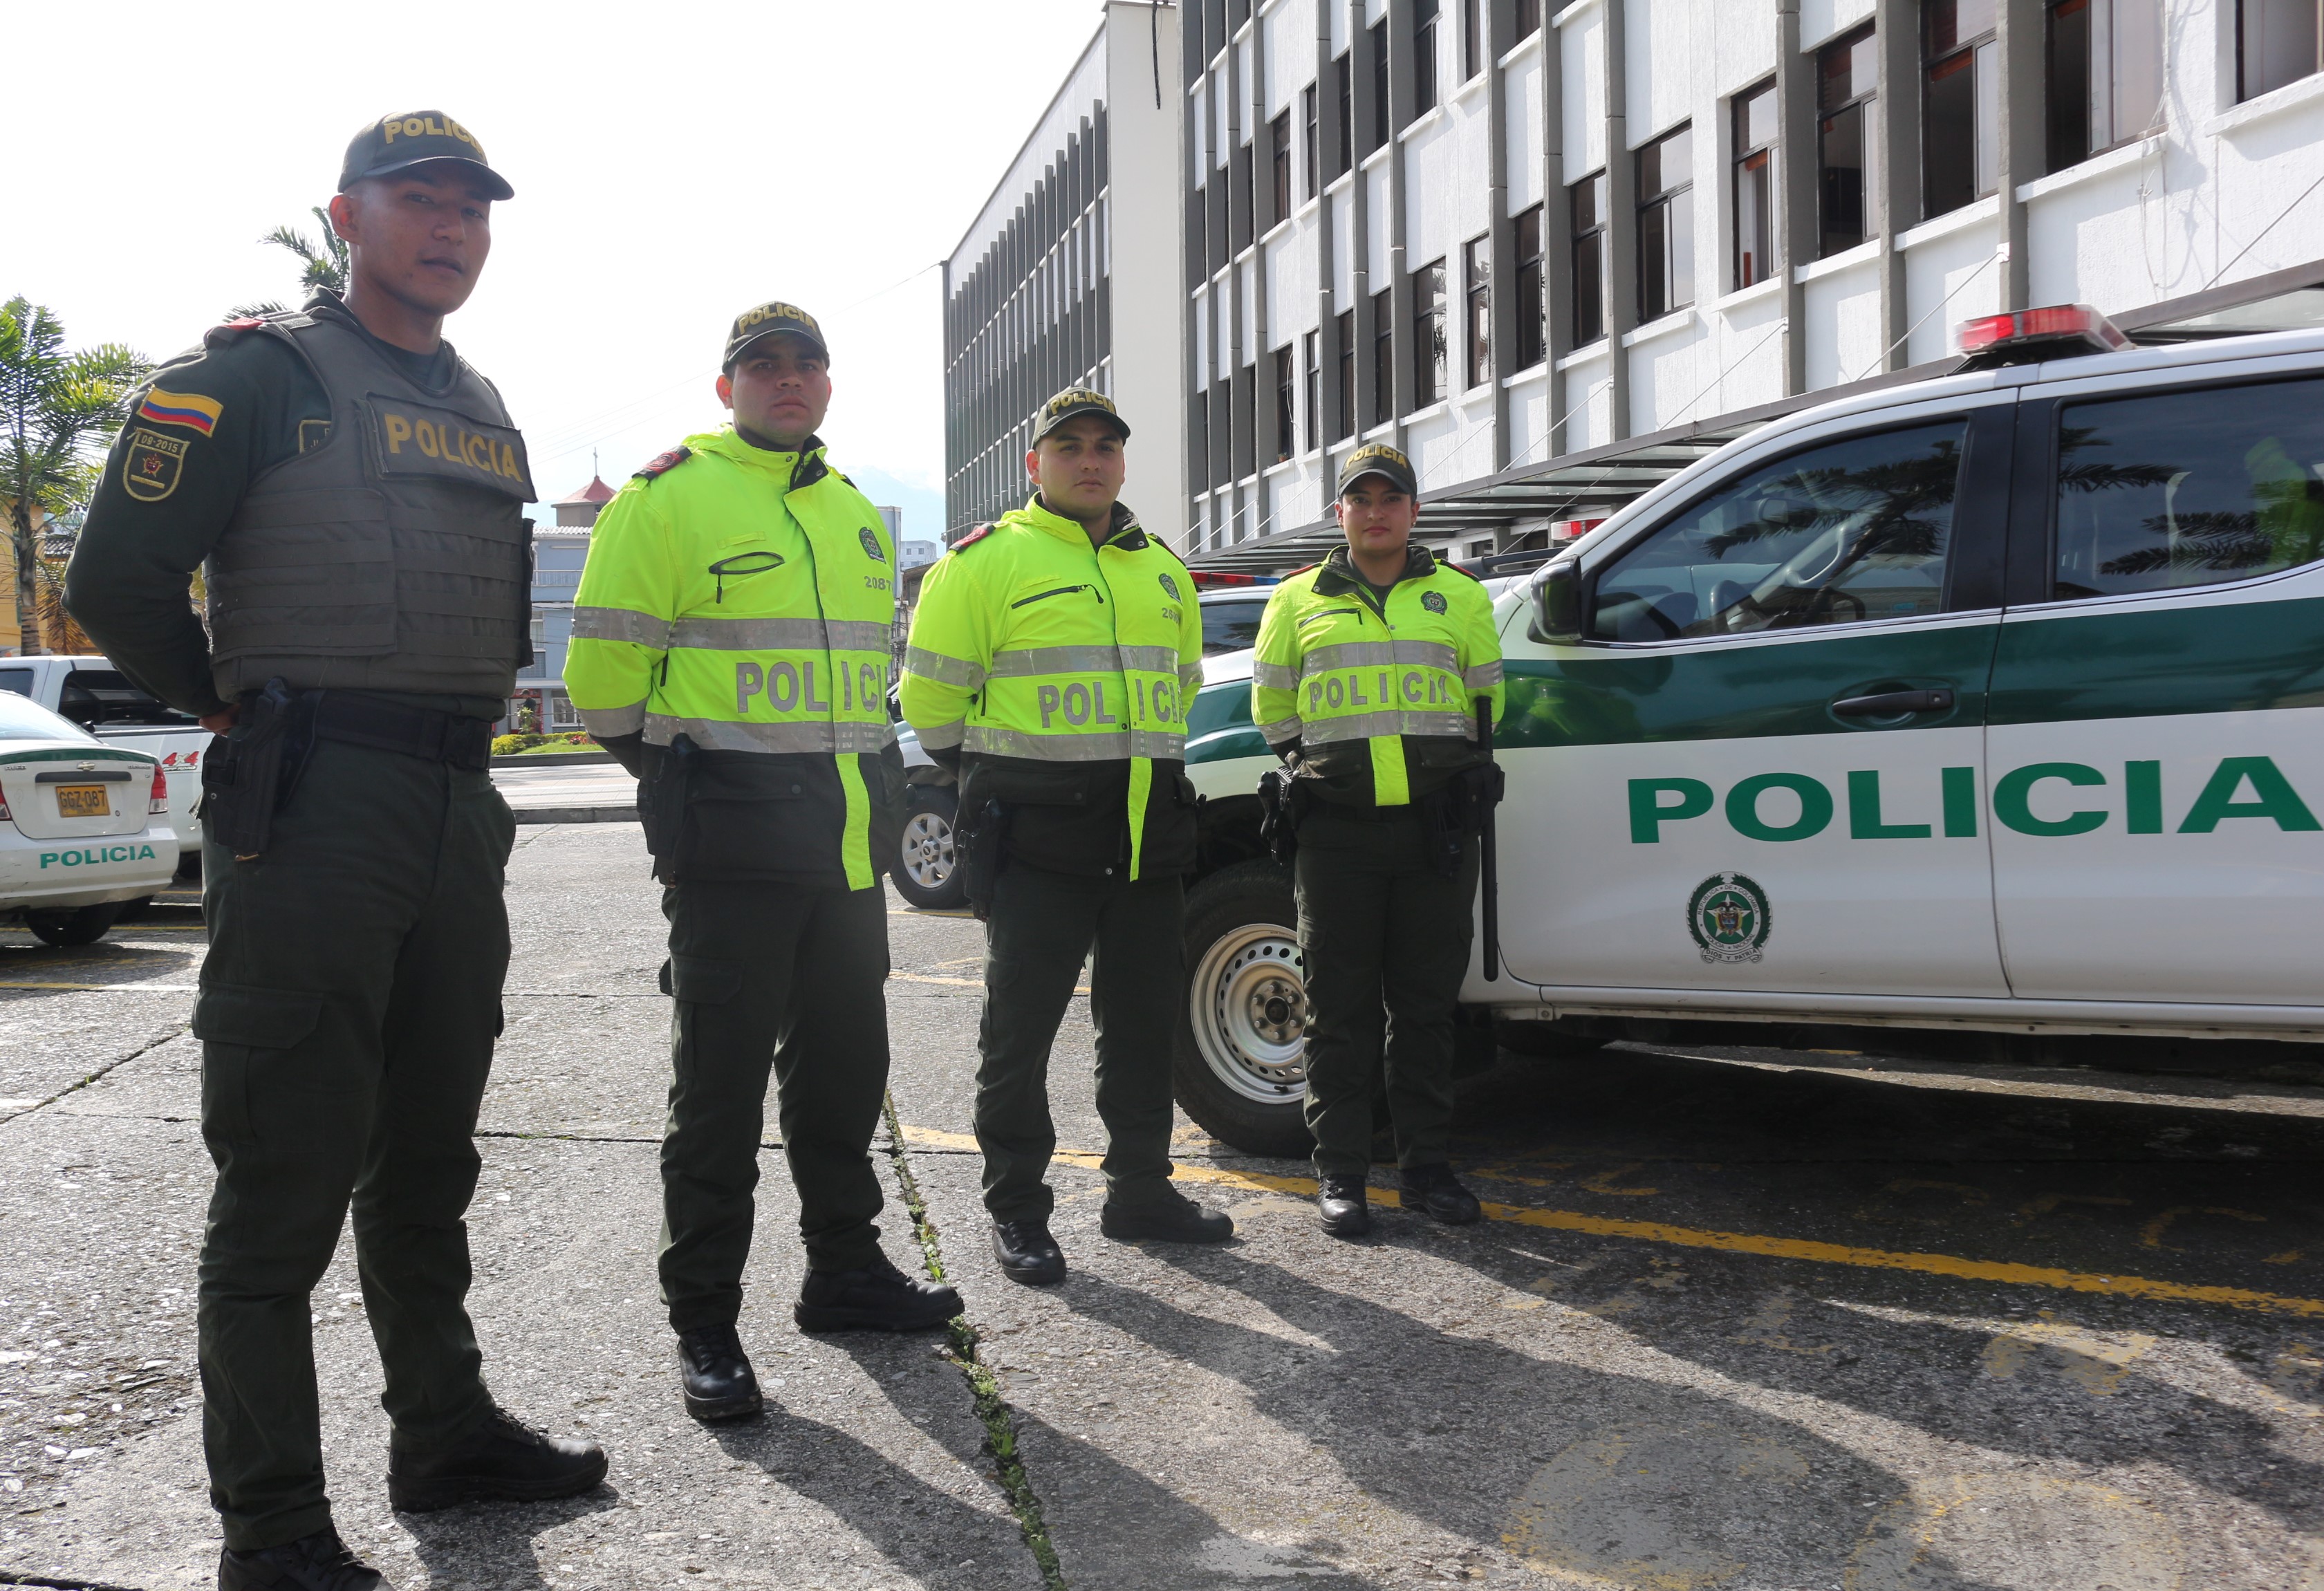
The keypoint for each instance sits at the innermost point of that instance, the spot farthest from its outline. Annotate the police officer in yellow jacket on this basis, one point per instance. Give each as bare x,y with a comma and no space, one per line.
731,648
1365,681
1052,655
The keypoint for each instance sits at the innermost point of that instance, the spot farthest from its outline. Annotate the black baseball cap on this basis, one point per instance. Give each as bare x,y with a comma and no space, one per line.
1073,402
1378,458
764,320
399,142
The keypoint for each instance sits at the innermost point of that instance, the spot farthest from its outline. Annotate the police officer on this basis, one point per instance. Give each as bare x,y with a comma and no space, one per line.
731,648
1051,657
1367,671
352,491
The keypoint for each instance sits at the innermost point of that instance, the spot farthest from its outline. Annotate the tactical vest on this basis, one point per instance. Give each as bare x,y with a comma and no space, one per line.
395,555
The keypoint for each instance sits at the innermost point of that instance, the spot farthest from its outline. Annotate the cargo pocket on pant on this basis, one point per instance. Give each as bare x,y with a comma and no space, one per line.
701,980
241,1027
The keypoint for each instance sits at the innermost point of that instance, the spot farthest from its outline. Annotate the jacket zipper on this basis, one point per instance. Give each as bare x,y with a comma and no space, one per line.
1061,591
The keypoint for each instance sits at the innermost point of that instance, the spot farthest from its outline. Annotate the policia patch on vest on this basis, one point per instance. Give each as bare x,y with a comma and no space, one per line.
151,464
411,438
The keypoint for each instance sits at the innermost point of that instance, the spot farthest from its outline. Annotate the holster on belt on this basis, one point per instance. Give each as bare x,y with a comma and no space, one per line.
984,850
1283,798
661,806
249,773
1462,807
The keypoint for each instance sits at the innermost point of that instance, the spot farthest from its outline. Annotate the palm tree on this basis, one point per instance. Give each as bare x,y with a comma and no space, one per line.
323,265
58,414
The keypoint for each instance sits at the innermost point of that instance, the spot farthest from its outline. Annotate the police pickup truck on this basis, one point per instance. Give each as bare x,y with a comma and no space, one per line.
1983,703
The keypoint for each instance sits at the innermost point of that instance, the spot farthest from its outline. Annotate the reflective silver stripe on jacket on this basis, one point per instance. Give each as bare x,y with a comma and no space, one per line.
1021,662
607,722
1275,676
1484,677
1150,659
940,737
992,741
718,734
1366,726
1368,654
958,672
621,624
1280,730
778,635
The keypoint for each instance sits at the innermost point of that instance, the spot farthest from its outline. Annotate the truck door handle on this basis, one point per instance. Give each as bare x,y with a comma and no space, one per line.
1895,703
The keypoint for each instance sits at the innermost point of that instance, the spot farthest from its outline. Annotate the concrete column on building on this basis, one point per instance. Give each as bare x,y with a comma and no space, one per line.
1402,365
1556,231
1364,116
1621,288
2018,35
1500,247
1327,356
1896,111
1796,177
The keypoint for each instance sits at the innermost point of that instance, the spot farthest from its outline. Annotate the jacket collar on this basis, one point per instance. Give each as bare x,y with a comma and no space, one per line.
1338,576
1126,536
794,470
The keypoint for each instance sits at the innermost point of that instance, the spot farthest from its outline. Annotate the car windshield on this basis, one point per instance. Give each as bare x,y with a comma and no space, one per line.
24,720
1230,627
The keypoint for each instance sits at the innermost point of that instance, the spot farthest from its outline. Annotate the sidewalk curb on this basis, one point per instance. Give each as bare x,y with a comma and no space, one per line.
552,758
575,814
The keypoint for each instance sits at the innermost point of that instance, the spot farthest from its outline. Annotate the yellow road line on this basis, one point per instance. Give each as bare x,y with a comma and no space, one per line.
1795,1249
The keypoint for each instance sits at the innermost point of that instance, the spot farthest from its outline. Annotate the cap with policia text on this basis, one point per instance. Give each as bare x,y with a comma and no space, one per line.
398,143
1074,401
765,320
1380,459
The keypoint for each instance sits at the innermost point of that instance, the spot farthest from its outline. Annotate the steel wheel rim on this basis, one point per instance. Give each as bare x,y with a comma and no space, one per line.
1248,1002
927,850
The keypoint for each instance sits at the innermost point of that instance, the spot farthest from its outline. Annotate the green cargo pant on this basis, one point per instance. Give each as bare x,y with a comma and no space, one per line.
1384,938
348,1014
1043,925
781,979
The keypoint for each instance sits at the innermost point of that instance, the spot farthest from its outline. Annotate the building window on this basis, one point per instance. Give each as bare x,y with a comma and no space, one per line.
1528,18
1278,137
1960,104
1287,435
1532,308
2106,76
1756,253
1473,39
1424,57
1241,196
1343,131
1383,358
1345,330
2277,41
1380,84
1428,351
1666,224
1846,74
1588,199
1312,394
1308,108
1477,273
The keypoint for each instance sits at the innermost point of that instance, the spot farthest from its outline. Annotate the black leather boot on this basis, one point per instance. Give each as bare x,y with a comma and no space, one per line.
1172,1218
1028,1252
502,1460
319,1562
877,1297
1342,1203
716,1376
1435,1192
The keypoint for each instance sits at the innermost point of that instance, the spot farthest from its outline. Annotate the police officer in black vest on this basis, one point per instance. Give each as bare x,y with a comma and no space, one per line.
352,492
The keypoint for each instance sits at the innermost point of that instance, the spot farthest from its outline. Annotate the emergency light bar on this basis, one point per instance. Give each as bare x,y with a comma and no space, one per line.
1207,579
2025,334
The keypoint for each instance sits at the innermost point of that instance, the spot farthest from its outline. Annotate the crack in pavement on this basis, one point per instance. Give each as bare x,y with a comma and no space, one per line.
993,1410
76,1087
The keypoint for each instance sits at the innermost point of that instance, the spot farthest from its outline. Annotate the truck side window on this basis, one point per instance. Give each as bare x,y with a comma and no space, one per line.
2186,489
103,696
19,680
1853,529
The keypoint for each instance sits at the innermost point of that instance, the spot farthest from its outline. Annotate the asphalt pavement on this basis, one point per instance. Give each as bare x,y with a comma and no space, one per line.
1749,1319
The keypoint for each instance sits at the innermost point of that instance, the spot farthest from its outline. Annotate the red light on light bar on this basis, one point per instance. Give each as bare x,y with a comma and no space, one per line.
2051,323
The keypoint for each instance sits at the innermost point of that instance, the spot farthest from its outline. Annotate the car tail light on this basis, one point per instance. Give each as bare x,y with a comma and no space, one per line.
160,800
4,817
2037,334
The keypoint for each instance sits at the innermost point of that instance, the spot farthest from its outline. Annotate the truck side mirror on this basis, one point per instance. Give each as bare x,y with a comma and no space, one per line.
1558,618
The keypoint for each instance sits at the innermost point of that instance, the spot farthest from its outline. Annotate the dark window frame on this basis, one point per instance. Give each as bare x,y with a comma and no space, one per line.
1665,213
1473,39
1431,354
1286,429
1343,150
1311,387
1427,16
1955,66
1477,293
1382,115
1383,356
1529,242
2251,84
1278,139
2084,97
1527,19
1343,331
1847,196
1312,135
1754,194
1589,201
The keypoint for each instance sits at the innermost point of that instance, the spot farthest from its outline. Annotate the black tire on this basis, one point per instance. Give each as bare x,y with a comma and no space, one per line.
1544,1040
85,925
1237,1068
928,867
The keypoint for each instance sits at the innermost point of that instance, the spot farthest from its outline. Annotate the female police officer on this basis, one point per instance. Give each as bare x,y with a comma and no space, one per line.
1368,669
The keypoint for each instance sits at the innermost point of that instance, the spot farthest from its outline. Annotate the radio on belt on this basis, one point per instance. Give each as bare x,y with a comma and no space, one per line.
2026,336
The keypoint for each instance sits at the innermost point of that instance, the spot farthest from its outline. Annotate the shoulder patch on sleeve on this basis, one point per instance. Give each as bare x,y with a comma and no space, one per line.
661,464
972,538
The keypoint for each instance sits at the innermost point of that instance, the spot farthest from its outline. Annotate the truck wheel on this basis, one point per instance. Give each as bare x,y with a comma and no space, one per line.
85,926
1240,1061
927,869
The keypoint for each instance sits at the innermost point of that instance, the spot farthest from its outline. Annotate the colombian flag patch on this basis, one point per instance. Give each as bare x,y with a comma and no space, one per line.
189,409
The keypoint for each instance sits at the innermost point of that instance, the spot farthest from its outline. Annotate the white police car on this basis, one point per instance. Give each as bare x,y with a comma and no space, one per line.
1985,703
84,827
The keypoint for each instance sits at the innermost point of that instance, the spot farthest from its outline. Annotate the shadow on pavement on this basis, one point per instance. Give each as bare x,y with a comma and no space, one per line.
489,1543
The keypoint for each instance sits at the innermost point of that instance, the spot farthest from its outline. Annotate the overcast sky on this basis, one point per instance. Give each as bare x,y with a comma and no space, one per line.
673,165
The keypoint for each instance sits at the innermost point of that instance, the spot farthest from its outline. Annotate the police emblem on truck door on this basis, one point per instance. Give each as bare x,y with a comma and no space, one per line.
1728,917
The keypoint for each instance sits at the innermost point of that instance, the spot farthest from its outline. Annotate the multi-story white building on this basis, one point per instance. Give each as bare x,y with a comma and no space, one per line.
1070,275
1556,254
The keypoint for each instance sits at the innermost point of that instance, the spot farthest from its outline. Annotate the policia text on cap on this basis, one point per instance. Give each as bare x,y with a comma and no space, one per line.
1369,674
368,610
1050,658
731,647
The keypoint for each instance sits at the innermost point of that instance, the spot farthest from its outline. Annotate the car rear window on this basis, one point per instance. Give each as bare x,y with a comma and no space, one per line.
2184,489
24,720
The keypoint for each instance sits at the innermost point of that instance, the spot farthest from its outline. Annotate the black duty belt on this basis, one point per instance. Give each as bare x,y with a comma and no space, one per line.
412,732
